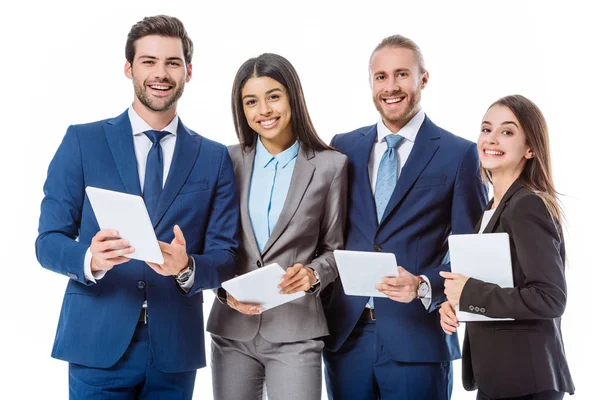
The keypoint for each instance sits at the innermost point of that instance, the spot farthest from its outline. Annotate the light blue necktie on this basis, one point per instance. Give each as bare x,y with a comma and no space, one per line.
153,178
387,175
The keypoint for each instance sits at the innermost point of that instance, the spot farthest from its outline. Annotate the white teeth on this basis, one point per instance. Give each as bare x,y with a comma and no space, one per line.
159,87
494,153
268,122
392,101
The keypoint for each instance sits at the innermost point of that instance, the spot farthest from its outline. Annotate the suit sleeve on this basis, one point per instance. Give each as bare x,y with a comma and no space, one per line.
57,248
468,202
332,227
537,244
217,263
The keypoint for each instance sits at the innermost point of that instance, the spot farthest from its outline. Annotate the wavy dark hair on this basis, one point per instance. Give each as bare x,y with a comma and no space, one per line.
537,172
280,69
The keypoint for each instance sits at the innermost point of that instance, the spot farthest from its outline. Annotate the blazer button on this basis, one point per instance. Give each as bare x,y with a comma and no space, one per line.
377,247
258,264
476,309
482,309
471,308
141,284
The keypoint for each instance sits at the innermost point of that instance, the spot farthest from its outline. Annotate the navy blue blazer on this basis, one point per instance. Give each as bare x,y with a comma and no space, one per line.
439,192
97,321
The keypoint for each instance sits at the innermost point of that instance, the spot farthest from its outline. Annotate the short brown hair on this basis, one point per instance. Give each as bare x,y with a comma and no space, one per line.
399,41
161,25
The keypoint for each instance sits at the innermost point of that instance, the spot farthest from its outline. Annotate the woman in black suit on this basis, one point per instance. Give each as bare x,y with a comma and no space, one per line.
521,359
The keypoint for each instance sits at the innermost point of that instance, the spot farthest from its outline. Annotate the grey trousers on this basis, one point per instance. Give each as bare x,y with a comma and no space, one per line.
290,371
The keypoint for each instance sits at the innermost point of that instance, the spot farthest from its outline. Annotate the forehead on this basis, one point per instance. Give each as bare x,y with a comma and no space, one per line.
393,58
498,114
257,85
159,47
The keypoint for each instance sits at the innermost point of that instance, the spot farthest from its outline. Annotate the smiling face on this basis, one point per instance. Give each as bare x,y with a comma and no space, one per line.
396,82
502,145
159,73
268,112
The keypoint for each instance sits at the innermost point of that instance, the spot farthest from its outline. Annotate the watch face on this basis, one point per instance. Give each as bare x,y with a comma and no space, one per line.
423,289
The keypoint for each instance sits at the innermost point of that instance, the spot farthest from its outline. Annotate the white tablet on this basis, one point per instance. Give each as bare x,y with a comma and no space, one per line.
260,287
484,256
127,214
360,271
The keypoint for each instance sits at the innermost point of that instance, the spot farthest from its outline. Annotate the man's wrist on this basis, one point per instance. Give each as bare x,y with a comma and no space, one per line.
184,274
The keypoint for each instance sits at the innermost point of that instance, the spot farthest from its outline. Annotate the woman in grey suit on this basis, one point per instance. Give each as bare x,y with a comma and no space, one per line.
292,206
522,359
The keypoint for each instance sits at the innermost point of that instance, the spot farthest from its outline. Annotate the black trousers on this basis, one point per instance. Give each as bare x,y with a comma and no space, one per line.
549,395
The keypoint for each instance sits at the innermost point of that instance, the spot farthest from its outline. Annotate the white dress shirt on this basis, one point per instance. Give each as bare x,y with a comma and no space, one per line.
142,145
409,132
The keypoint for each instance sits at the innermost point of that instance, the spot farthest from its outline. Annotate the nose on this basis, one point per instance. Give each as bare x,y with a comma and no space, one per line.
160,71
492,138
264,108
391,85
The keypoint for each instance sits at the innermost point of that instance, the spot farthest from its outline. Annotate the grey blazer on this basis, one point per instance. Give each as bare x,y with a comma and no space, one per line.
309,228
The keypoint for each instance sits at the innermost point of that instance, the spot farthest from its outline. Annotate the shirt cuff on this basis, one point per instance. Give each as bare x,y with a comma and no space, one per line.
87,269
427,299
187,285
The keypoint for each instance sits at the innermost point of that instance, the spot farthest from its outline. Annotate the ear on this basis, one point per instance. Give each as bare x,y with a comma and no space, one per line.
188,74
424,79
529,154
127,70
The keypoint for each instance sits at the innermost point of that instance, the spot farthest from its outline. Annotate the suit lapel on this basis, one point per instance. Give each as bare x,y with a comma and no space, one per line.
303,172
120,141
423,150
363,147
514,188
246,176
184,158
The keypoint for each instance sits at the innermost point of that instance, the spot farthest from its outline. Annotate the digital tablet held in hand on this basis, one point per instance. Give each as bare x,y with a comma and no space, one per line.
260,287
360,271
127,214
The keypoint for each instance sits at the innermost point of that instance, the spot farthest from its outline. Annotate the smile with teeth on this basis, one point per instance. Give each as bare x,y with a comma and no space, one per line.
268,123
393,100
160,87
494,152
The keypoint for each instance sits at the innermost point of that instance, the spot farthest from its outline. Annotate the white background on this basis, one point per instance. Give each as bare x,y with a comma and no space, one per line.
62,63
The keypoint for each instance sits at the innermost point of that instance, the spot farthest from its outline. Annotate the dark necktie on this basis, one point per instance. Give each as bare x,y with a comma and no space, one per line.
153,180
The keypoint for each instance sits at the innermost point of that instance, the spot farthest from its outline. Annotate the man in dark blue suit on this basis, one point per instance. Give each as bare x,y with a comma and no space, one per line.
129,329
411,184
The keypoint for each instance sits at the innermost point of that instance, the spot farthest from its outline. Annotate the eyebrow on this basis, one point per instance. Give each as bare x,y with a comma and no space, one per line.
504,123
156,58
267,92
396,70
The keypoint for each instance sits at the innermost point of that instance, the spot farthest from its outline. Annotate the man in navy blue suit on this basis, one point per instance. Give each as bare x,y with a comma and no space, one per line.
129,329
411,184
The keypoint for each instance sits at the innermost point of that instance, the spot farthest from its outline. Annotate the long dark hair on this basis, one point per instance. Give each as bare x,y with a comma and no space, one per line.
280,69
537,172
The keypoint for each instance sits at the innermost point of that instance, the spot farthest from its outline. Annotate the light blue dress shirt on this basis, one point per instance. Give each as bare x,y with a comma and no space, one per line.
271,179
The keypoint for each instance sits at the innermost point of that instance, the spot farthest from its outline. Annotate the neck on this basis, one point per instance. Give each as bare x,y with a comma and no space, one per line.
501,183
157,120
277,145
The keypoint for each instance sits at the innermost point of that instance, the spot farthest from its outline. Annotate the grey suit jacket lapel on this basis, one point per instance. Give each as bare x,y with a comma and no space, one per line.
303,172
246,175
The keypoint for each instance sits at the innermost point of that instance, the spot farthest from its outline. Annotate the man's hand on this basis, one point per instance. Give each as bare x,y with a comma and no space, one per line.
244,308
453,286
297,278
401,288
174,254
448,319
108,250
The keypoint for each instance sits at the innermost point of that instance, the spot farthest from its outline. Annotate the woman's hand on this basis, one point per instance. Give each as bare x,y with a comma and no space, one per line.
448,319
297,278
244,308
453,286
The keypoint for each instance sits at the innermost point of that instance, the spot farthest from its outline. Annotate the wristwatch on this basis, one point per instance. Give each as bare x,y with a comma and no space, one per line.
185,273
422,287
317,282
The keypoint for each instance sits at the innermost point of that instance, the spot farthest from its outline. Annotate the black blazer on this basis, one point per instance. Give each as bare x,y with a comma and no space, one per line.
515,358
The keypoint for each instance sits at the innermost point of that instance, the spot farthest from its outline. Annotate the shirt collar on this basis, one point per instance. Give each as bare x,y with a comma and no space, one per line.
139,126
408,131
264,158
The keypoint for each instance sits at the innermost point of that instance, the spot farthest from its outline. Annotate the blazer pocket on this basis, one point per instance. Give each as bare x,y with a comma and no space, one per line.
190,187
79,288
431,180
